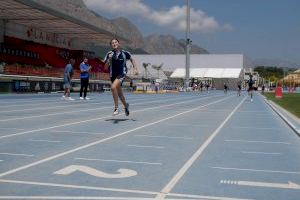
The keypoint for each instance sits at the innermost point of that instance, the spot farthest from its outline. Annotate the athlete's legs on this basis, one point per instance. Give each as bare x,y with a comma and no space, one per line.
66,92
117,86
114,91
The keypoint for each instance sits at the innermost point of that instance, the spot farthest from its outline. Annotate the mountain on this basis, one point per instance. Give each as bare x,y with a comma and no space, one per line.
153,44
275,62
130,31
168,44
78,10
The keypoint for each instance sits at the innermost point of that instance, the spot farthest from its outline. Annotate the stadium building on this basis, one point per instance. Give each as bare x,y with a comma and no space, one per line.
36,42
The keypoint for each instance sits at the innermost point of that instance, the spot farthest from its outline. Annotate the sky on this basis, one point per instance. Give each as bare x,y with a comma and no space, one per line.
260,29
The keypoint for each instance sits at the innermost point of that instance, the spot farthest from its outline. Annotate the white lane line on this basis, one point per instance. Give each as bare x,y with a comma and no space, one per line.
257,170
77,187
72,198
253,127
168,137
185,196
1,160
253,111
104,139
200,197
171,184
263,153
118,161
257,141
63,106
142,146
49,141
191,197
18,129
77,132
76,111
17,154
58,101
101,118
187,124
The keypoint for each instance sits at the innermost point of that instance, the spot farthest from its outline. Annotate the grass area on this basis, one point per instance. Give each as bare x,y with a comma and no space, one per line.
289,101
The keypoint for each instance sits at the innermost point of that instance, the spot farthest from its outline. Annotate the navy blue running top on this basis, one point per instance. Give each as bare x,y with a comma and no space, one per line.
118,63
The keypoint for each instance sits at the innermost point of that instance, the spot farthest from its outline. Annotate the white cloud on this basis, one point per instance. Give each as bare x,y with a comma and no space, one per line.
228,27
128,7
174,18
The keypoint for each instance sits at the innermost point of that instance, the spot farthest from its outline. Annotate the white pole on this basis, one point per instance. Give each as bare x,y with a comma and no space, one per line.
188,42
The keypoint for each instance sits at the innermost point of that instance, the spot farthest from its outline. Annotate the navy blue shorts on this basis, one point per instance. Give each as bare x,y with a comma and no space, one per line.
121,78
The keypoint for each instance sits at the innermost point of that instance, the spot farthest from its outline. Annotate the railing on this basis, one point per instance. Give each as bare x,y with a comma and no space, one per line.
28,70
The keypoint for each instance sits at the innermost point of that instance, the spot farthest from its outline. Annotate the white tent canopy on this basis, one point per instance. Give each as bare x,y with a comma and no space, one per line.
201,65
208,73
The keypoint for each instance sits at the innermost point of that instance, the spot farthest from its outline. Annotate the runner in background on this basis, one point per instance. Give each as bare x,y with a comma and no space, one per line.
225,88
239,85
250,87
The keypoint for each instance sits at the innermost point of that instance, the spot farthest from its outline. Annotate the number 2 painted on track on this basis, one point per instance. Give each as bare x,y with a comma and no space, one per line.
122,173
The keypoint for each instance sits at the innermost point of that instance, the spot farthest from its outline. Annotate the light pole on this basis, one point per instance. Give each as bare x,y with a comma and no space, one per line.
188,43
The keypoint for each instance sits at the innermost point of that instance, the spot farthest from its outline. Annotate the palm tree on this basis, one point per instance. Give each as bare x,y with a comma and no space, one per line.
145,65
157,67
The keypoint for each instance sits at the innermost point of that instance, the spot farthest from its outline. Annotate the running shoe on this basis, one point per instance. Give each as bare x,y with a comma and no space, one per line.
63,97
86,98
70,99
116,111
81,98
127,109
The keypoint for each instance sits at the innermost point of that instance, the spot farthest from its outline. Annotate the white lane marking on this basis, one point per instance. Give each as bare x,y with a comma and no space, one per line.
17,154
78,187
104,139
118,161
72,198
76,111
257,141
122,173
253,111
1,160
100,118
58,101
49,141
171,184
200,197
253,127
168,137
288,121
101,189
187,124
18,129
60,106
264,153
142,146
256,170
289,185
217,110
75,132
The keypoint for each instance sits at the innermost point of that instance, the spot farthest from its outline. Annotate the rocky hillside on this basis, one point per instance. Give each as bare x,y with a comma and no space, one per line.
168,44
125,27
153,44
